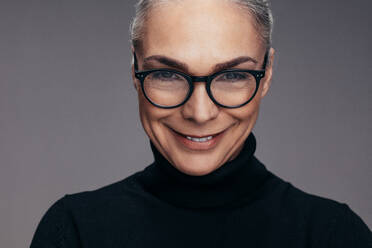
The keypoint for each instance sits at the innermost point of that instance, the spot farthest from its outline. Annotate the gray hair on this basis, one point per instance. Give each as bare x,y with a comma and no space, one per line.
259,9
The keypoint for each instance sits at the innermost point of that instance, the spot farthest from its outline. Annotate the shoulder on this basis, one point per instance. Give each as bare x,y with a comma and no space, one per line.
291,200
123,192
325,220
315,206
60,223
56,228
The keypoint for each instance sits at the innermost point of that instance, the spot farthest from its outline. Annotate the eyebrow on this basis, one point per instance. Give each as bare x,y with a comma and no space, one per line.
183,67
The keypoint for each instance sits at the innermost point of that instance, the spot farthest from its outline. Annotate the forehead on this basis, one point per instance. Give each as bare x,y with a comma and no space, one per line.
200,29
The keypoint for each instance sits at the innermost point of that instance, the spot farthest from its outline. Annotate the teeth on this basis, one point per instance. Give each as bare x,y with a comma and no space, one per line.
204,139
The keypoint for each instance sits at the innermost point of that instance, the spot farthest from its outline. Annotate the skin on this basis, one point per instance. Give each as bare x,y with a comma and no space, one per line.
200,34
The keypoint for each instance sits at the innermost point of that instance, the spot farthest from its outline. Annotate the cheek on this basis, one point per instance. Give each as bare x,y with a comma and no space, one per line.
147,115
246,114
151,116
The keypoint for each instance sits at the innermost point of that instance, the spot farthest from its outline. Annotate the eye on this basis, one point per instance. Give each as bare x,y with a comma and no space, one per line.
232,76
164,75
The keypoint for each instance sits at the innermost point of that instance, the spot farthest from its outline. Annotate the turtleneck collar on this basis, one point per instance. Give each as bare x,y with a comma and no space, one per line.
235,180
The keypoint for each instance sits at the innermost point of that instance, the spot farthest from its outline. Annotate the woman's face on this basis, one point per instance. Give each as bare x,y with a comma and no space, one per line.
200,34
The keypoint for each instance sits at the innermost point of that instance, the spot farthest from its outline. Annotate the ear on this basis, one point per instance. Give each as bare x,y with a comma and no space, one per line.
134,79
266,81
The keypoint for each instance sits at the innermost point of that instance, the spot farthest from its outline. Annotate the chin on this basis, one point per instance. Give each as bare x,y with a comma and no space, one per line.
196,164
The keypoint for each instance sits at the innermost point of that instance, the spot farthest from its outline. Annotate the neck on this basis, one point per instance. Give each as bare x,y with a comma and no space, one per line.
235,180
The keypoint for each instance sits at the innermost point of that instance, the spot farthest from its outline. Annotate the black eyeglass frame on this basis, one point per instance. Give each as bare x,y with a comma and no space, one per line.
141,75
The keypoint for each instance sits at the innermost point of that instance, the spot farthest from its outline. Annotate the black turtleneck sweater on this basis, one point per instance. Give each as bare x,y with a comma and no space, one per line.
241,204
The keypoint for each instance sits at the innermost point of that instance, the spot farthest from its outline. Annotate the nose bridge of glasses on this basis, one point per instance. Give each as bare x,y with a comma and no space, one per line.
195,79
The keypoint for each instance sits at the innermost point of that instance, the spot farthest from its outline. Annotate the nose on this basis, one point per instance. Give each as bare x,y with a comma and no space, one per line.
199,108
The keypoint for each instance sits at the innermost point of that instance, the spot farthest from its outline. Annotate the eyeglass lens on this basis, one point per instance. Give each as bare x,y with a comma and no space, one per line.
169,89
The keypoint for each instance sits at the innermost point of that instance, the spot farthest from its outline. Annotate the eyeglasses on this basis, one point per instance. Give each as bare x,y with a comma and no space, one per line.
167,88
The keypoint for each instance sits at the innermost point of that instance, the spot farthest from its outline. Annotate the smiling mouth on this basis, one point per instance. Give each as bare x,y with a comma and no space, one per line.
198,142
199,138
204,139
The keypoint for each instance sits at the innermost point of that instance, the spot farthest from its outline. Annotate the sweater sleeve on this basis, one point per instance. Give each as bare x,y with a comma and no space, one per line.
349,230
56,229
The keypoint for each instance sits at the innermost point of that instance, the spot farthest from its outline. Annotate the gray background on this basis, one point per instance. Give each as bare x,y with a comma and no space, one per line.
69,119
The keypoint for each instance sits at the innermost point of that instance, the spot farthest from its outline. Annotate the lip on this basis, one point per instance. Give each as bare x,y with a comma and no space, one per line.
198,136
198,146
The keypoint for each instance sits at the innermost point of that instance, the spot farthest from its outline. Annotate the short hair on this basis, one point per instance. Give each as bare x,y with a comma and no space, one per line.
259,9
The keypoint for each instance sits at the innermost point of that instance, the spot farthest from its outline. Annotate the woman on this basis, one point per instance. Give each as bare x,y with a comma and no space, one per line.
201,69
